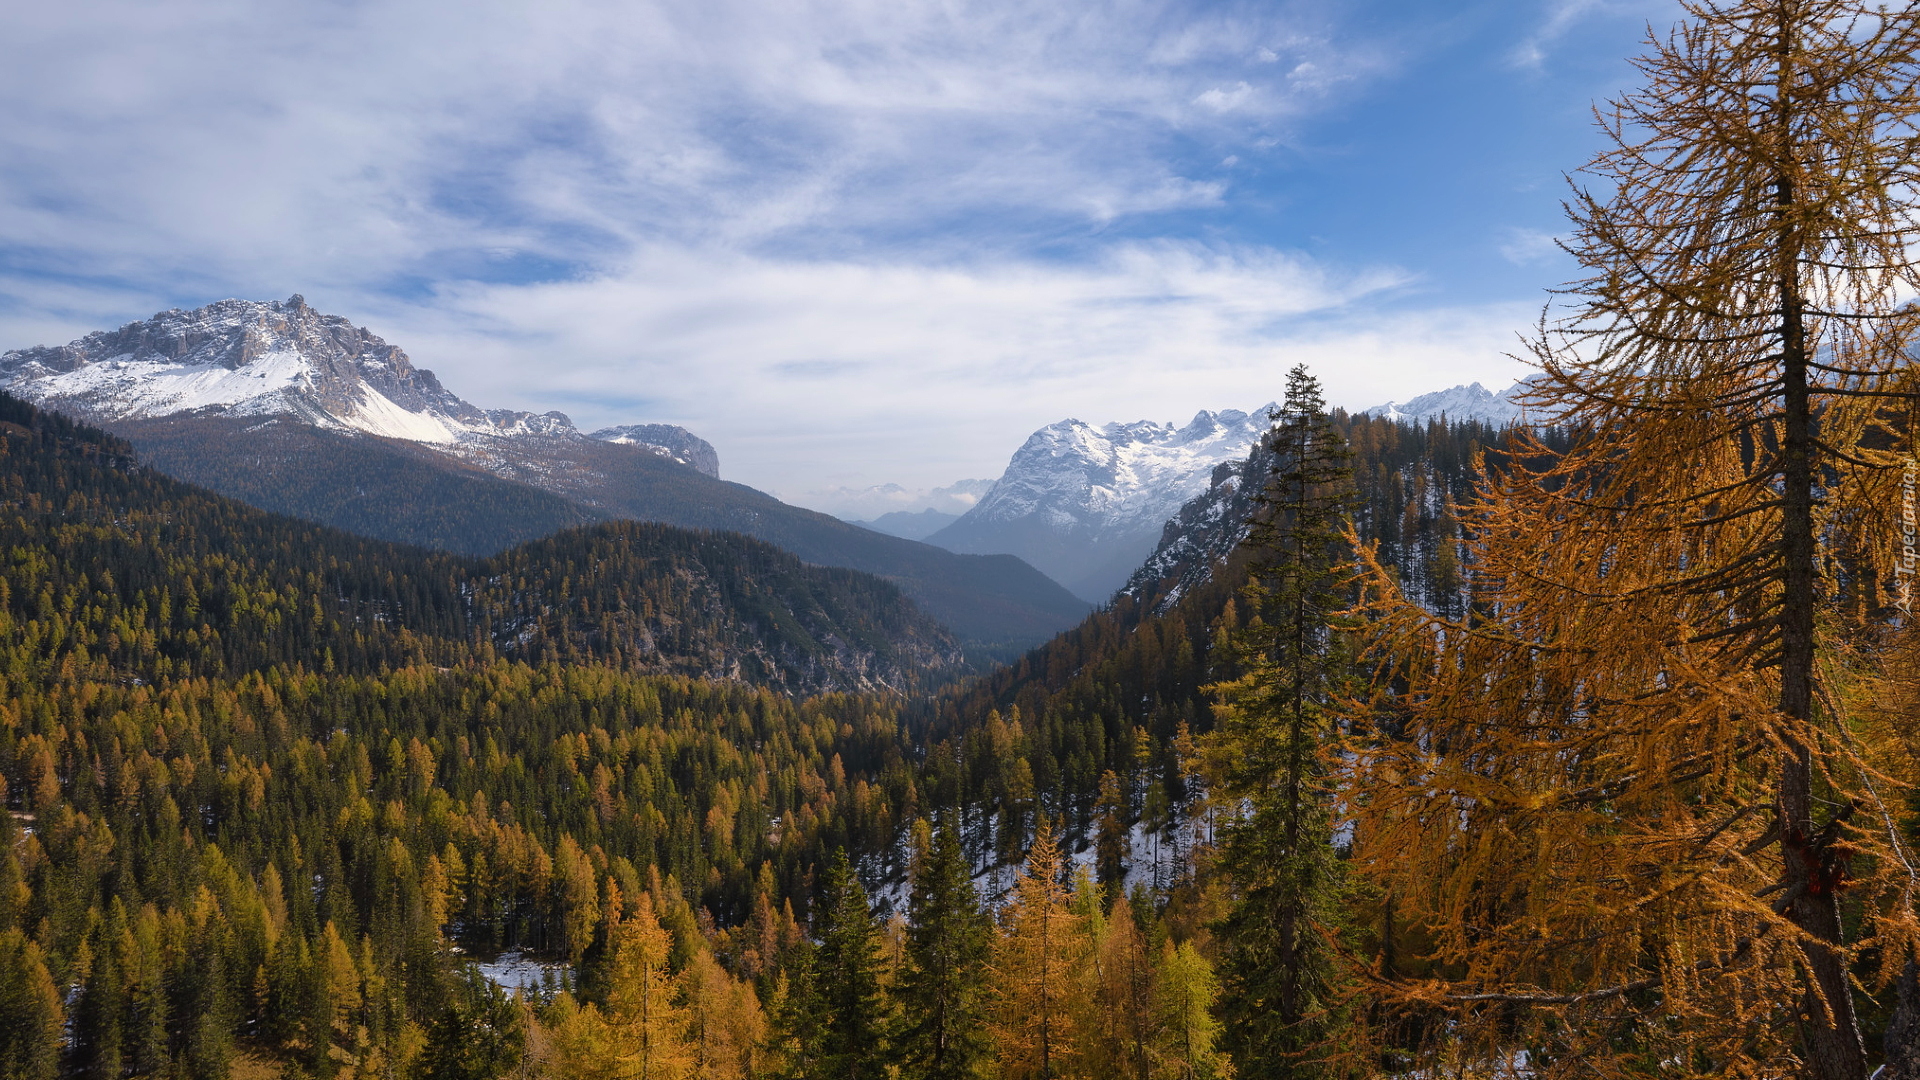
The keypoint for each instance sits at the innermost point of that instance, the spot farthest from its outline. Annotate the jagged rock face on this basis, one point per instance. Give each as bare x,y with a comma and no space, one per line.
669,440
1204,532
247,358
1086,504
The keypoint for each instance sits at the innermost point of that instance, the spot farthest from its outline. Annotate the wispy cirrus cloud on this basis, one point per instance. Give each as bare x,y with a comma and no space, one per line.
851,241
243,140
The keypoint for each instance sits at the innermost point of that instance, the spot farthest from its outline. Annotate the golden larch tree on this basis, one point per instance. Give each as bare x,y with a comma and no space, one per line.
1623,805
1033,966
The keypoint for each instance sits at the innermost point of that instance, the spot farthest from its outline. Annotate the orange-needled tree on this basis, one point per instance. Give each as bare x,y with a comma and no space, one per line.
1624,806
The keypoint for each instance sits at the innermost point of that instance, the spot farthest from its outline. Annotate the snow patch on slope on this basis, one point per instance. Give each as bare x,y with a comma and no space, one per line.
377,415
152,388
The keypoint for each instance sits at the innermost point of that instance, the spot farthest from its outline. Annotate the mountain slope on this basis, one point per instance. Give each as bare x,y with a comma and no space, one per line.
1113,693
129,574
381,488
673,441
1085,504
305,414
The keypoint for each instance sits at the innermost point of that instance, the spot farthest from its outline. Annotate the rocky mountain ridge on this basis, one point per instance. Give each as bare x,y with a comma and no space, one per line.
1204,532
1457,403
1086,504
669,440
247,359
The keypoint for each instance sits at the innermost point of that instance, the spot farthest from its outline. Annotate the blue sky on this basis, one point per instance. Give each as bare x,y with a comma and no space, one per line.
852,242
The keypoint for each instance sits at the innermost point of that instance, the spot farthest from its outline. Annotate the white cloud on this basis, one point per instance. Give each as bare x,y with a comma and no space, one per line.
868,503
1225,99
814,375
1561,15
1525,247
797,226
1559,18
242,142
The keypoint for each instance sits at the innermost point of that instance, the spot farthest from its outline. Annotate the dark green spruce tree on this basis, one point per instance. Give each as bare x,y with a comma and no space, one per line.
1279,998
478,1035
843,1027
99,1016
943,992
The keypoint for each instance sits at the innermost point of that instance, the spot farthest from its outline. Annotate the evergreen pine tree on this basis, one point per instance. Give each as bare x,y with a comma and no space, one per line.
205,1011
99,1016
478,1035
149,1019
799,1015
1267,753
943,993
1113,840
846,962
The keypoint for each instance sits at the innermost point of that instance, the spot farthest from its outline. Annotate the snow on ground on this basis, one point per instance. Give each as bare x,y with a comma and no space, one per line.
379,415
515,970
149,388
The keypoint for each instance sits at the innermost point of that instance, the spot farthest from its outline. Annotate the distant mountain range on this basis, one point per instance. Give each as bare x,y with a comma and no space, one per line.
1086,504
245,359
870,504
303,413
1469,402
909,524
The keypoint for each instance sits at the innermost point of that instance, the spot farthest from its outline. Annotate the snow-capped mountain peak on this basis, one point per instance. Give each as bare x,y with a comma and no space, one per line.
1086,503
1467,402
668,440
1113,474
247,358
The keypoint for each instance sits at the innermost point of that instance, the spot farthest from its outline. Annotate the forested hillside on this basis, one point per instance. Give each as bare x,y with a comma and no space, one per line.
209,707
412,493
1114,694
1584,749
265,780
116,572
369,487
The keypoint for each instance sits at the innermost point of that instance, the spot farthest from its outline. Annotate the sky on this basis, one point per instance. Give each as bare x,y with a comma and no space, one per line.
850,242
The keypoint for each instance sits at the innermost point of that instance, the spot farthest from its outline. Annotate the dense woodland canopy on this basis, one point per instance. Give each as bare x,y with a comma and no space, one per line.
269,784
1460,752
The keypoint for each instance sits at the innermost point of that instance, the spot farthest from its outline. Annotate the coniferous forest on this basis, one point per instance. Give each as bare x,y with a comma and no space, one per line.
1586,747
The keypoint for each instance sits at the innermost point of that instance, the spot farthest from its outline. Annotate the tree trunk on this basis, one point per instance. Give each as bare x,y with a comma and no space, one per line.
1829,1030
1903,1030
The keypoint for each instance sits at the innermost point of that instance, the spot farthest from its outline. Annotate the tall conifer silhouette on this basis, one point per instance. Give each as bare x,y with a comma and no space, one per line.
1267,755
